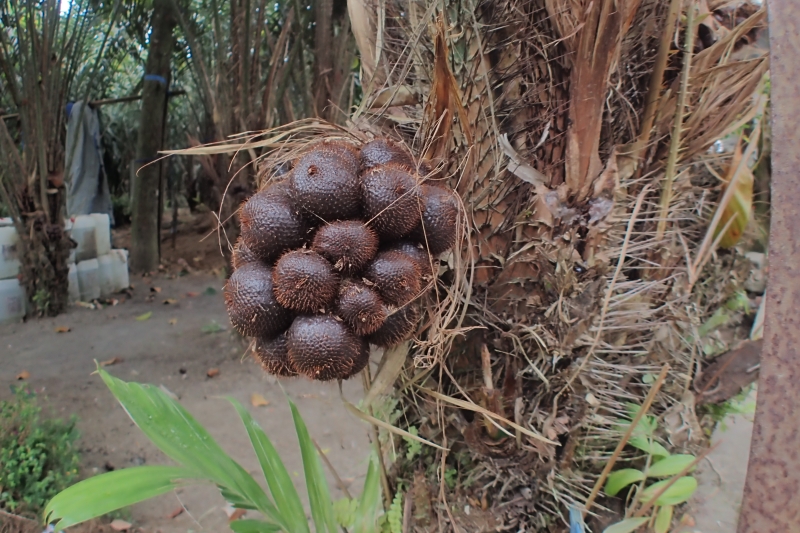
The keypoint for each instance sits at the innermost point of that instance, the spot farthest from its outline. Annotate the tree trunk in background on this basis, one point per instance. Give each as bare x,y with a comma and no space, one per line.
146,201
323,54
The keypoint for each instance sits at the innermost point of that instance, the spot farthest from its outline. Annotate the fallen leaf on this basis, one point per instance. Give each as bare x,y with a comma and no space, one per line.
23,375
210,291
173,321
155,289
63,329
258,401
120,525
237,514
112,361
192,294
212,372
176,512
145,316
113,301
170,301
87,305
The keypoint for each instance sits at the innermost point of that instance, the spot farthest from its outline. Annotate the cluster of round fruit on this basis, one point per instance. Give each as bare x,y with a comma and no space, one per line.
333,258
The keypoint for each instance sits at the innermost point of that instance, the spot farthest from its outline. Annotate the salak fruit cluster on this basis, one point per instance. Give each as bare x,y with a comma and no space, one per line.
334,256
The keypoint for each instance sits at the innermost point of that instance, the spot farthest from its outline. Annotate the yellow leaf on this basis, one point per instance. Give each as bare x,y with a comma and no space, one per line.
173,321
258,401
112,361
736,214
145,316
170,301
23,375
63,329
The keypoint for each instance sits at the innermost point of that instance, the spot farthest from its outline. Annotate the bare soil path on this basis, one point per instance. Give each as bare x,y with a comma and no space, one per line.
175,348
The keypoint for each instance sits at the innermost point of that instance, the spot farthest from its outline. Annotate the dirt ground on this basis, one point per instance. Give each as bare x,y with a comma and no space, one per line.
171,349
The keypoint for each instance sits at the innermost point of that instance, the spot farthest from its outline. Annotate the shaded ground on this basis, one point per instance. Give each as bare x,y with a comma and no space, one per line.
172,349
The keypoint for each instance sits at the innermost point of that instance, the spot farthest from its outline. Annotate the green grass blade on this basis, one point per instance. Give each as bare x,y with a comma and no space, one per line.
318,495
370,502
176,433
287,501
253,526
108,492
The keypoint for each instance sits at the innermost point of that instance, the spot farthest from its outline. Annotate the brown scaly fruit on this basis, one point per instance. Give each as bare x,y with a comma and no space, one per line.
252,307
398,327
439,217
323,348
270,225
391,200
324,185
395,276
382,151
416,252
348,152
274,356
348,244
360,308
304,281
242,254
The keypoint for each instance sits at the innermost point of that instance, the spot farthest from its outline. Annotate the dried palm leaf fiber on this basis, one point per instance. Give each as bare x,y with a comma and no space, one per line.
557,304
252,307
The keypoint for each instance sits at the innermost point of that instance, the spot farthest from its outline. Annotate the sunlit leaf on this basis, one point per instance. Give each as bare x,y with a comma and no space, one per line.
736,214
670,466
108,492
620,479
626,526
663,519
679,492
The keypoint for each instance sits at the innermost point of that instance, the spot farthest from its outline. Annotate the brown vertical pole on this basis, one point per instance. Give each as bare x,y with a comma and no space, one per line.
772,492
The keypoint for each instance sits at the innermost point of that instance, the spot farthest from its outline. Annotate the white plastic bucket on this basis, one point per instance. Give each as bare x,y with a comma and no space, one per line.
74,286
89,279
9,245
84,233
106,275
121,276
102,233
12,300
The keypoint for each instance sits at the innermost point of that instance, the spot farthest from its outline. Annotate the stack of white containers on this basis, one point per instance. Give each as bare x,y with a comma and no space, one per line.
12,294
95,270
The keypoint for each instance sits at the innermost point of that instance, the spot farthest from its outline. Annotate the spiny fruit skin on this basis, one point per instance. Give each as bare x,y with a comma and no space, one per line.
270,225
324,185
416,252
242,254
381,151
348,152
274,356
304,281
399,326
396,277
323,348
252,307
391,200
348,244
439,217
360,307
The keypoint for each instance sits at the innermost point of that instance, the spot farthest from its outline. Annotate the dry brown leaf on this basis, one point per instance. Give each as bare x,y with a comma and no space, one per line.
173,321
63,329
170,301
177,511
237,514
155,289
120,525
258,401
23,375
212,372
112,361
192,294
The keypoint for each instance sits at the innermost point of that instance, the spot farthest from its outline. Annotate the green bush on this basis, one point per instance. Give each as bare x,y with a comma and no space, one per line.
37,455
